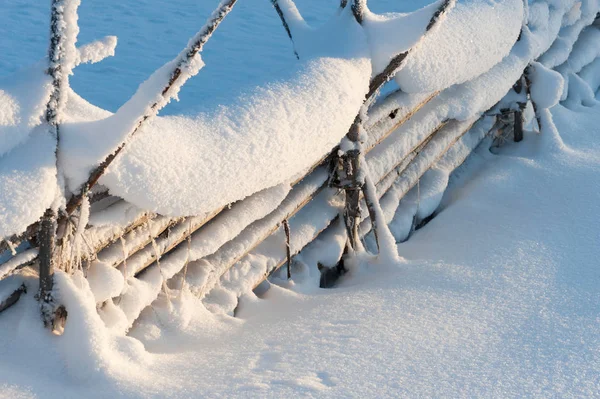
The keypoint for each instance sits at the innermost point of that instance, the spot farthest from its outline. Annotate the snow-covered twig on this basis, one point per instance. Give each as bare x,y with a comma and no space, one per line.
284,22
359,8
96,51
12,298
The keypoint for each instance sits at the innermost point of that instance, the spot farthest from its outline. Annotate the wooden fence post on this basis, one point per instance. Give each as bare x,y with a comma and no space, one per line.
518,130
60,54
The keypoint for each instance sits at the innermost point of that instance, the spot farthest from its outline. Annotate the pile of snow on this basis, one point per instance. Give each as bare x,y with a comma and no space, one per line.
27,182
487,286
546,86
186,166
474,36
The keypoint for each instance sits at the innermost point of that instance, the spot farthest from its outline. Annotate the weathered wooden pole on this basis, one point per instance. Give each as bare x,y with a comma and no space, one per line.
355,179
518,129
61,58
520,88
288,249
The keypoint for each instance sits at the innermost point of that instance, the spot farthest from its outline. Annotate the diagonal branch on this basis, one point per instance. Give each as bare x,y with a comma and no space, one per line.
178,77
285,23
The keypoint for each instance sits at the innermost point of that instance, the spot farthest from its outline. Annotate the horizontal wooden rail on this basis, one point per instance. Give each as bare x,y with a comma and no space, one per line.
228,263
383,186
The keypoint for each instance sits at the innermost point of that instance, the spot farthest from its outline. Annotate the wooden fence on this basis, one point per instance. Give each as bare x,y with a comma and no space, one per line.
157,250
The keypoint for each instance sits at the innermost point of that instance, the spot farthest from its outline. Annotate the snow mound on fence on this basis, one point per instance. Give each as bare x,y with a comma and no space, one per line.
186,166
23,99
391,34
27,182
475,36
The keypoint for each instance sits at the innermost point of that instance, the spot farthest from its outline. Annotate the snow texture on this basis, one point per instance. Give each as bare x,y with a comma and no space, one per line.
27,182
461,48
181,166
495,297
546,86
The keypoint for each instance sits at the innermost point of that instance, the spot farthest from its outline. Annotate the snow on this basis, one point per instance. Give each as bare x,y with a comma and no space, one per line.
27,182
144,175
579,93
546,86
567,36
240,150
585,50
96,51
388,253
392,34
591,75
498,295
19,259
24,97
506,311
447,55
105,281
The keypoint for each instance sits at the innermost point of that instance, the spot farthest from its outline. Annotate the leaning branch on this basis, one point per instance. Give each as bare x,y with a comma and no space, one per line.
178,77
285,23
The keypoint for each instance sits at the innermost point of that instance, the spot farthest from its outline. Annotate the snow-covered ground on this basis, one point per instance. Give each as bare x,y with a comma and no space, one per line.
499,296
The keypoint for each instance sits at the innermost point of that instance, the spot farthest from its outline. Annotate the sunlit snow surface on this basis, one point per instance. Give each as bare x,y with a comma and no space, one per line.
499,297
